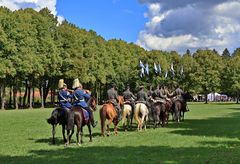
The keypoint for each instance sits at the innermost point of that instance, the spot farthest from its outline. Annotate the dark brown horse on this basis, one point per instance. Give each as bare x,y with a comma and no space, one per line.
180,106
159,114
60,116
80,122
108,112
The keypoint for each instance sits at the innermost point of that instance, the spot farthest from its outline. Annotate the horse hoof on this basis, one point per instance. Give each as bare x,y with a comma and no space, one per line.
108,135
65,145
78,144
90,140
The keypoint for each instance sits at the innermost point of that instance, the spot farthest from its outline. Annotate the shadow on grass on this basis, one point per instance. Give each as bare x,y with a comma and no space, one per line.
139,154
212,127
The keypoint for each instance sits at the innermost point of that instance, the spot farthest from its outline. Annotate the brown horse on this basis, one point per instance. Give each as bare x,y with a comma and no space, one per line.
80,121
108,112
179,106
159,114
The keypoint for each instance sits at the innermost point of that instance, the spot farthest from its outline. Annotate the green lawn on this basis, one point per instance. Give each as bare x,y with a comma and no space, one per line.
209,134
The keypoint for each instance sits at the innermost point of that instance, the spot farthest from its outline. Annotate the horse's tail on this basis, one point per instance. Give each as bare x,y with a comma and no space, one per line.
102,119
136,113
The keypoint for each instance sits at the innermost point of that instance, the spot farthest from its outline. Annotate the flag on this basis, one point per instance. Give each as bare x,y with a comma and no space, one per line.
159,69
142,72
166,74
172,69
141,64
155,68
181,70
146,69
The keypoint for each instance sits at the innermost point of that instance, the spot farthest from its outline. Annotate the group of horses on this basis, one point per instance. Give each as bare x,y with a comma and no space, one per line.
157,111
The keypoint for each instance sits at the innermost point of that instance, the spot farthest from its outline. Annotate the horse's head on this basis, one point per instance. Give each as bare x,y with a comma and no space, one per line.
121,101
54,117
92,102
187,96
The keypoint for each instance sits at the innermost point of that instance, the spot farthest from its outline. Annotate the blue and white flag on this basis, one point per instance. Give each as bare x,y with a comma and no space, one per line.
159,69
146,69
155,68
166,74
181,70
141,64
172,69
142,72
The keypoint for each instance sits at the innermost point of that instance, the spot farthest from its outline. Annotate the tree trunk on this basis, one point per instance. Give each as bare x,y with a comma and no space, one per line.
41,94
25,94
45,91
10,97
20,97
206,100
15,97
3,94
33,97
30,97
237,99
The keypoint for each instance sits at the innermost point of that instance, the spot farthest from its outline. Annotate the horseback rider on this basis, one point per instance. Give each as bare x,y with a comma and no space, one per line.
80,96
64,96
129,97
158,95
178,95
112,96
142,95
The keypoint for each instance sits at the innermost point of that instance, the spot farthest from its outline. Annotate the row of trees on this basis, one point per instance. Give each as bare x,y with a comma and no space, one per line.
36,51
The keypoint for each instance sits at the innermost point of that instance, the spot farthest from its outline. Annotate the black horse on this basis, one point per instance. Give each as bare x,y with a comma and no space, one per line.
61,116
179,106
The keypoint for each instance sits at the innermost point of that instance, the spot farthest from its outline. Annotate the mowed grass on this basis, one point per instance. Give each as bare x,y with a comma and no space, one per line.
209,134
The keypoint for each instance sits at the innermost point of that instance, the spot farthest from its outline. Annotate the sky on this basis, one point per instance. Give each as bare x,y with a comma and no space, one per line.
153,24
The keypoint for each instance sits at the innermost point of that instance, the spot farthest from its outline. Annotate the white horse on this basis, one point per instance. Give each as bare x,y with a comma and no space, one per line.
127,112
141,115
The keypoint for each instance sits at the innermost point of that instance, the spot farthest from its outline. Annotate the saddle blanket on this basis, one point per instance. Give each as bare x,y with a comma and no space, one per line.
85,115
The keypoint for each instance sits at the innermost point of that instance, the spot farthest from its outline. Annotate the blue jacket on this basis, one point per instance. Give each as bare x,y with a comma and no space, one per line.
80,98
63,97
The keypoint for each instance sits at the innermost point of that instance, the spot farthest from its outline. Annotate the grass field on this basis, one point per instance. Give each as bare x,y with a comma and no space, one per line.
209,134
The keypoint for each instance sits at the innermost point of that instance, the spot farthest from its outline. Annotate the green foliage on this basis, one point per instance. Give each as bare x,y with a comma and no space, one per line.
34,47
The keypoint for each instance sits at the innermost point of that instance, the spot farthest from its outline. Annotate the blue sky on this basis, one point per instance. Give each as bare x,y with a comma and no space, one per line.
152,24
121,19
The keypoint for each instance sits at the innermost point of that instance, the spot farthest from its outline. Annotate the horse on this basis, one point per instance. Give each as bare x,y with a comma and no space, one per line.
127,114
141,115
108,112
60,116
80,121
179,106
159,113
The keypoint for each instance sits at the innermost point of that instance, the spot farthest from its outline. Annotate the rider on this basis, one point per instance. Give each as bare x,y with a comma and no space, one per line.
112,96
129,97
80,96
64,95
158,94
178,93
142,95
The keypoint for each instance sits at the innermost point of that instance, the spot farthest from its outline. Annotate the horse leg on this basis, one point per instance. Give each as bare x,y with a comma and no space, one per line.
81,134
68,138
108,129
53,133
63,133
116,129
103,119
90,132
77,135
71,134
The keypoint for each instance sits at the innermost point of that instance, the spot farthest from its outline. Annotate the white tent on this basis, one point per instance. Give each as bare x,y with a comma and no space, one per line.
213,96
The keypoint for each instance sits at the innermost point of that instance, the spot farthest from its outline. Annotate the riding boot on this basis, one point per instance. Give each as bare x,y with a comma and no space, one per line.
94,123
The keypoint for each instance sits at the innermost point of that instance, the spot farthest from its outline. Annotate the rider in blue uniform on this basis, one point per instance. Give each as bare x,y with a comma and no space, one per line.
80,97
63,97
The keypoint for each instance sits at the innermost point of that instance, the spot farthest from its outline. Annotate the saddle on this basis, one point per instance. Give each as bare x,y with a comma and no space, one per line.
128,102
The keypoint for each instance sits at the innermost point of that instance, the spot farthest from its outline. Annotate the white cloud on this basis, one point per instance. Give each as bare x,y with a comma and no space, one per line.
35,4
191,24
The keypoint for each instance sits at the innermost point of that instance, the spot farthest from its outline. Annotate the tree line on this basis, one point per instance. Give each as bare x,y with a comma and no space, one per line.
36,51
